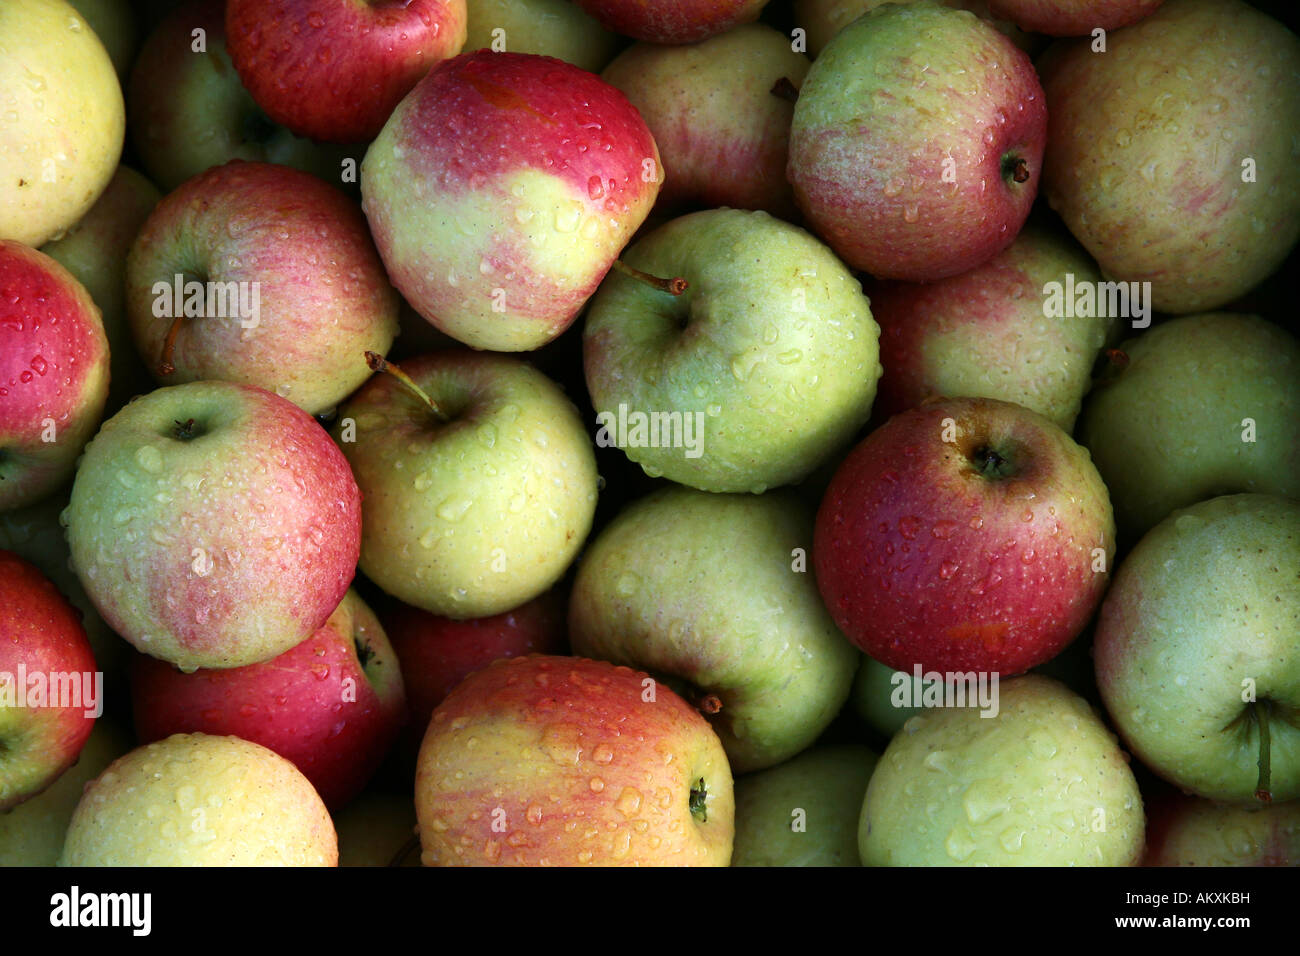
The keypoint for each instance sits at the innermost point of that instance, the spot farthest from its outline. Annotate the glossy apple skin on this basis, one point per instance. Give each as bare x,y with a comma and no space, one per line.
324,297
437,653
922,560
1188,831
871,137
316,704
722,133
188,112
54,366
584,769
1145,166
984,333
1072,17
260,491
42,632
333,71
1204,607
672,21
501,190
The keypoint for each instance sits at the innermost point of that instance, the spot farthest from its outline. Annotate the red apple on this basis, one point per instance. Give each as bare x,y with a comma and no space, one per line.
53,373
49,685
332,705
305,295
571,762
672,21
437,653
501,191
333,70
917,142
964,535
1072,17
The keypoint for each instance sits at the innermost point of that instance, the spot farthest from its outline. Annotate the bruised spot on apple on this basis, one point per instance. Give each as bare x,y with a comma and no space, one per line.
964,535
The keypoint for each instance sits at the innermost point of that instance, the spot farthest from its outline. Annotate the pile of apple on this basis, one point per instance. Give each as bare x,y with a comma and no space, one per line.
863,410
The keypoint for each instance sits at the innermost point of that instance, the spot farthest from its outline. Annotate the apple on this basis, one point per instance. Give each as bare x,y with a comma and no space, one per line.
917,142
672,21
762,368
563,761
964,535
478,481
877,691
805,811
63,118
1186,831
196,800
722,131
500,192
822,19
1197,407
305,295
437,653
189,112
54,369
1162,163
31,834
993,332
1198,645
558,28
49,694
214,524
1044,783
712,592
114,22
35,534
334,71
378,829
1072,17
95,251
332,705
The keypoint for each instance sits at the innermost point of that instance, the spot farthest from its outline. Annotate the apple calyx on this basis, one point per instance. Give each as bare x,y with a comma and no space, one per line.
364,652
674,286
785,89
699,801
378,363
185,431
1118,358
1015,168
990,464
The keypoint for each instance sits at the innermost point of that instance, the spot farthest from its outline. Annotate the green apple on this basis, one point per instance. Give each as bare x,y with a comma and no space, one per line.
558,28
114,23
478,484
31,834
1165,163
1043,783
377,829
881,699
822,19
95,250
1198,649
715,594
803,812
196,800
63,119
1205,405
1186,831
768,359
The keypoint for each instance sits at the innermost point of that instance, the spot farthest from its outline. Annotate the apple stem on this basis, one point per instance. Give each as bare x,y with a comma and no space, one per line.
674,286
1263,791
710,704
378,363
165,366
785,89
1020,172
